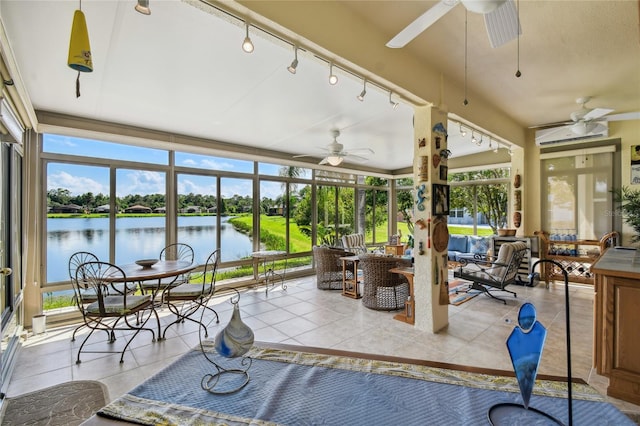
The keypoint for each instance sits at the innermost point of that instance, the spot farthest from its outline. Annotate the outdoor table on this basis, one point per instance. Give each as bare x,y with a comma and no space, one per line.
268,259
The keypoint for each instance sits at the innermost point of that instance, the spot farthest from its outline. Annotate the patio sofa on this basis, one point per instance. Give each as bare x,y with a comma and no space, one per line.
467,247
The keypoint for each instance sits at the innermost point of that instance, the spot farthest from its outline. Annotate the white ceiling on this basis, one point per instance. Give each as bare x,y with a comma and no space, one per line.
182,70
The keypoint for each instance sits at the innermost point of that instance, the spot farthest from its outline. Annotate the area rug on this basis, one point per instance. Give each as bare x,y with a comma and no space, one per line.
290,387
69,403
459,292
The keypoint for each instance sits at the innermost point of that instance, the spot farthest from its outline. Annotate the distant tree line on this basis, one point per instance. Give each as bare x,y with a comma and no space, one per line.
90,201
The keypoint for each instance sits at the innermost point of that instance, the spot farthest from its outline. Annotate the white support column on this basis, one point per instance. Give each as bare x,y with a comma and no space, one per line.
430,277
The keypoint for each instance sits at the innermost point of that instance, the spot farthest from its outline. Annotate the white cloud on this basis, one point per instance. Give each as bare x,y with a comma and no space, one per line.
76,185
142,182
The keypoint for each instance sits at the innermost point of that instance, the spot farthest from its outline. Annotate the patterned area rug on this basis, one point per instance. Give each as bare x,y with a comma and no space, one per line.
459,292
69,403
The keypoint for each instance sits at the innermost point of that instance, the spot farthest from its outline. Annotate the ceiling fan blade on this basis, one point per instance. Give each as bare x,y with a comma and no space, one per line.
503,24
550,125
357,158
361,150
596,113
303,155
623,116
423,22
324,161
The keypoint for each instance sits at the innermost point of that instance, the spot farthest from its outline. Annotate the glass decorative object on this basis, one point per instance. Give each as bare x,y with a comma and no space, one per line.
233,341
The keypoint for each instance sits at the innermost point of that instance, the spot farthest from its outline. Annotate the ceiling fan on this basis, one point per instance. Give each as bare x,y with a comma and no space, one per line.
336,153
590,120
500,18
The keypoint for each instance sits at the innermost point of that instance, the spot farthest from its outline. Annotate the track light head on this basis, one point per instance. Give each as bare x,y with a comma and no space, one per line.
364,91
463,132
143,7
333,79
247,44
294,63
393,104
473,137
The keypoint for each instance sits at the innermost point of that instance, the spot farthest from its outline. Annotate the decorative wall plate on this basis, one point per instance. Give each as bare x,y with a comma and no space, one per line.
440,236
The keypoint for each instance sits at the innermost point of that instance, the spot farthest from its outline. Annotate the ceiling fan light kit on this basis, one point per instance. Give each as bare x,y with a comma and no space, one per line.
482,6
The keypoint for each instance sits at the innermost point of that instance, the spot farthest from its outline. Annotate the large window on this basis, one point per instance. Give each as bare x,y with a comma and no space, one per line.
576,198
484,197
106,198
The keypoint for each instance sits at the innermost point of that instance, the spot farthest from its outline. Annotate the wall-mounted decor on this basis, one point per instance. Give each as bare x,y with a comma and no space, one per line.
423,168
436,160
517,219
440,200
422,143
517,181
443,172
517,204
421,196
635,164
438,140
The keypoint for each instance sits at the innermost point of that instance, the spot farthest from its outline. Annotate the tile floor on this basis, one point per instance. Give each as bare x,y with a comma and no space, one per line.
304,315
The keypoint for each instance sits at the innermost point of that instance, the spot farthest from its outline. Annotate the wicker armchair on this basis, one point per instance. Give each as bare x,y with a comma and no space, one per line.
383,290
329,267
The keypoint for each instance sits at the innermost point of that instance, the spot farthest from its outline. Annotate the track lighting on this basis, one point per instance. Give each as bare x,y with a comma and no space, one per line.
393,104
294,64
473,138
333,79
247,44
463,132
494,148
364,91
143,7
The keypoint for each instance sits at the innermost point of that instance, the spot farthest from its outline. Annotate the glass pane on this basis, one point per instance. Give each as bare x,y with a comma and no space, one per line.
273,222
197,214
77,215
577,195
299,218
91,148
141,223
404,199
236,223
209,162
375,208
326,204
346,217
287,171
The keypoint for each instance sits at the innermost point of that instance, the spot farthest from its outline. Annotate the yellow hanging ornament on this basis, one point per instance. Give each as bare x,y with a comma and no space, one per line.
79,48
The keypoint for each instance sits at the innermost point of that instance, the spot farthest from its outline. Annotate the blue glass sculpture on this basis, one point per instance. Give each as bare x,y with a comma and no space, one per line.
525,346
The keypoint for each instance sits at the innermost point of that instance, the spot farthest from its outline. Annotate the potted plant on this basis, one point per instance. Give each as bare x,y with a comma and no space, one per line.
629,201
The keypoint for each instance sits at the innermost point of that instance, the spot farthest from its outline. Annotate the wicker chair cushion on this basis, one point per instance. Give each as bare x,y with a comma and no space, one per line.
355,243
115,304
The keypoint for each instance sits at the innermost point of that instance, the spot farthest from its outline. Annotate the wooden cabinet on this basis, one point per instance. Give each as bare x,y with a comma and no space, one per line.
576,256
394,249
616,352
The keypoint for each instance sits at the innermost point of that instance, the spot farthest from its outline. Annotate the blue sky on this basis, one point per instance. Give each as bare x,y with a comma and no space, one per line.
79,179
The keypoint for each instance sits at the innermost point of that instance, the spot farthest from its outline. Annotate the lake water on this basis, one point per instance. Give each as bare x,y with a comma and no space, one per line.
137,238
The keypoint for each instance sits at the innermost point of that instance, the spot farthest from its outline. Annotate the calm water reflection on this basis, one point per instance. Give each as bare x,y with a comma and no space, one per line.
137,238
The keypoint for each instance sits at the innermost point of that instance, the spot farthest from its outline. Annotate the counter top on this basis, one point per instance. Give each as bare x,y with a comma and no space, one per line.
618,262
